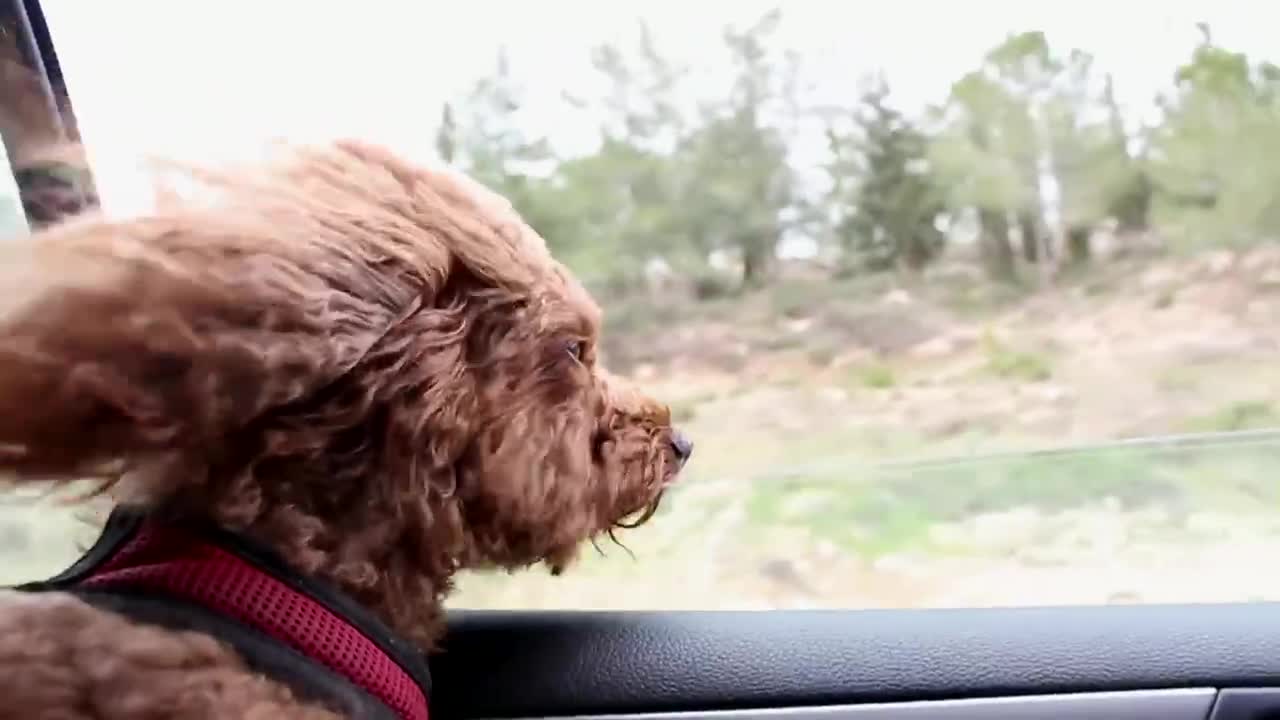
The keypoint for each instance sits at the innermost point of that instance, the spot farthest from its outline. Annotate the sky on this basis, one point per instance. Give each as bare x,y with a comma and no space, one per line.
214,81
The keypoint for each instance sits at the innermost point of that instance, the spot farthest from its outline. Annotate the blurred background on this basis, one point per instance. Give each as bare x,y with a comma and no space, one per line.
964,304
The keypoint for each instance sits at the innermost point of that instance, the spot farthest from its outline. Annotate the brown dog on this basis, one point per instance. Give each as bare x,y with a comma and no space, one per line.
376,371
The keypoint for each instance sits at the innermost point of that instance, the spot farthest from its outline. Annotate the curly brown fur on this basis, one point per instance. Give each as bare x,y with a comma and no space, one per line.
63,660
374,368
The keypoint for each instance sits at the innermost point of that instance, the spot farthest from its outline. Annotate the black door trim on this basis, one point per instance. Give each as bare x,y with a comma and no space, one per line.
537,664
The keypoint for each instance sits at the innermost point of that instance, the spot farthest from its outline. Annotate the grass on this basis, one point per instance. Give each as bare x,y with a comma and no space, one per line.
1164,300
879,510
878,377
803,297
1241,415
1179,379
1009,363
861,508
685,409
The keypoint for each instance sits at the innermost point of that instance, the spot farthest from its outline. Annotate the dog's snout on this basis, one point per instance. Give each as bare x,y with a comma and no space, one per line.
682,446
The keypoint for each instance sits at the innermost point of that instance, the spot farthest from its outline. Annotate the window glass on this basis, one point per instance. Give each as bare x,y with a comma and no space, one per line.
12,221
962,304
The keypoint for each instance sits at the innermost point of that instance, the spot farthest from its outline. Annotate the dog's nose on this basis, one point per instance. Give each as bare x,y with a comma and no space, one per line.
682,445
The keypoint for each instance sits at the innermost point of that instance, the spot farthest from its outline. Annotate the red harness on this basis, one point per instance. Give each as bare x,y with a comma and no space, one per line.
170,562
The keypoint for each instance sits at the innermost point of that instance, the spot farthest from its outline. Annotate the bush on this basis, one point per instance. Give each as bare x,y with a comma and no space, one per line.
1011,364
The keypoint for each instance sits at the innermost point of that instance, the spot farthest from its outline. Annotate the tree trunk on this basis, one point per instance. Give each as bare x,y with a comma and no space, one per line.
1079,250
1030,237
755,263
1133,209
997,252
750,270
914,251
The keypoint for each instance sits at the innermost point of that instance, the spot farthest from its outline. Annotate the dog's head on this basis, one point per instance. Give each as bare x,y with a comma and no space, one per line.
539,446
377,368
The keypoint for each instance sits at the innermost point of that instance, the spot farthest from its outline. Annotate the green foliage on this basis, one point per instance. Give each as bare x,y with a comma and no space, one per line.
713,284
885,510
658,186
982,150
879,377
447,135
1212,154
884,189
1247,415
1031,144
1090,157
1026,113
739,181
1013,364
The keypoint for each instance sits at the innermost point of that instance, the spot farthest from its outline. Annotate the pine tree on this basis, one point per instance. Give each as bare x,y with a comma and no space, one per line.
893,206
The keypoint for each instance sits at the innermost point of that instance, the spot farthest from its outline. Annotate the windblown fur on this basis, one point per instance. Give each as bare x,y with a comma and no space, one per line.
374,368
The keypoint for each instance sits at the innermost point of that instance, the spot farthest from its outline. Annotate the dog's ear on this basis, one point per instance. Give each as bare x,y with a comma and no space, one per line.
167,335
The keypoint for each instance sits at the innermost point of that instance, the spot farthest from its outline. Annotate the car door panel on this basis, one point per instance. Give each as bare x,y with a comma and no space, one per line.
569,664
1138,705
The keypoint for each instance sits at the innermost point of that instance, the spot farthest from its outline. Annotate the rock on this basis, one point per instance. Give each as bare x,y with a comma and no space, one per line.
857,356
798,325
1209,524
897,296
1161,277
938,347
1270,279
900,564
833,395
1006,529
952,342
1041,418
785,573
1219,262
948,536
645,371
1050,393
965,336
827,550
1207,349
1260,260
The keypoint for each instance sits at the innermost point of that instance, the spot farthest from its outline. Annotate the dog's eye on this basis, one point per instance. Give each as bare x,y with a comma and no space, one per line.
575,349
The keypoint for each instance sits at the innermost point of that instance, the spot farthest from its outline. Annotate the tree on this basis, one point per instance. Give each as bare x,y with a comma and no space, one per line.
642,104
1025,116
491,143
491,139
622,202
738,183
887,201
978,152
1130,202
1211,158
1026,69
1089,150
447,135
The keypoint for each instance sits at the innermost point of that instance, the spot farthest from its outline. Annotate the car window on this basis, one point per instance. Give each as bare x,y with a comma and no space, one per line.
962,305
12,220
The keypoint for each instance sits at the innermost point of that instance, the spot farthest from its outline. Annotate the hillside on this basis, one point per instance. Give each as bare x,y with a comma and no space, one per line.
814,402
809,402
